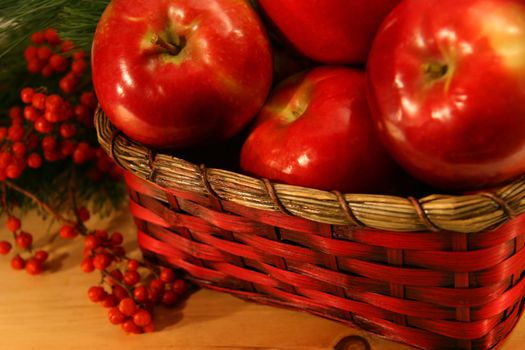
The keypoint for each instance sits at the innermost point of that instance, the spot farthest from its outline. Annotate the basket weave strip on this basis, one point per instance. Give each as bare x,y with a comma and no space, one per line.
466,213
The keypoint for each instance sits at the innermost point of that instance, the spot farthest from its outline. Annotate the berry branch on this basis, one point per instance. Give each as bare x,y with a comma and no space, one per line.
49,136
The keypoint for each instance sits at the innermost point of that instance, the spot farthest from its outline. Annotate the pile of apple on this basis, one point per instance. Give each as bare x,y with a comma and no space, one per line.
436,87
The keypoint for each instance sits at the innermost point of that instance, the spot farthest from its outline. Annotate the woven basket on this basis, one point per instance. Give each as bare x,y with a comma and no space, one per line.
440,272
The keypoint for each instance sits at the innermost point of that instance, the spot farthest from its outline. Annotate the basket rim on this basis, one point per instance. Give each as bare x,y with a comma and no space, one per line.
467,213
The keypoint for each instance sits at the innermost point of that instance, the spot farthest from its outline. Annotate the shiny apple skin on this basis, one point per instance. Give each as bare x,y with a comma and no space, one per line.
206,93
328,31
465,129
316,131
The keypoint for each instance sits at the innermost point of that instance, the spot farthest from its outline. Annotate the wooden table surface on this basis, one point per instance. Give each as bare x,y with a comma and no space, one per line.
52,311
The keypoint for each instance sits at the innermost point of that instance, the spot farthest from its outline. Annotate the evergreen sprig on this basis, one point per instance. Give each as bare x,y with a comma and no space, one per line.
75,20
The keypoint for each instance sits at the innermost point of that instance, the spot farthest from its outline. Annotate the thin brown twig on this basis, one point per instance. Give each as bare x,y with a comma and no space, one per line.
39,202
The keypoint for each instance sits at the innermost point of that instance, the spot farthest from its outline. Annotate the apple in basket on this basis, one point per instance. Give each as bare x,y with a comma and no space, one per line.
316,131
446,81
328,31
177,73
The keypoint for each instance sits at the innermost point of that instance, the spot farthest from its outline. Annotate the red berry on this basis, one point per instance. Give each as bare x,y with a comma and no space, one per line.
16,133
67,147
88,99
83,214
169,298
39,101
82,153
120,292
37,37
13,224
157,284
154,295
67,130
102,234
68,84
68,231
67,46
115,276
43,126
52,155
82,112
148,328
44,53
110,301
91,242
49,143
5,159
3,133
59,63
34,266
127,306
13,171
119,250
101,261
130,327
30,113
26,94
115,316
5,247
19,148
41,255
51,36
167,275
34,161
140,293
15,112
17,262
53,116
96,294
30,53
54,103
116,239
131,278
133,265
179,286
24,239
86,265
80,54
35,65
142,318
47,71
78,67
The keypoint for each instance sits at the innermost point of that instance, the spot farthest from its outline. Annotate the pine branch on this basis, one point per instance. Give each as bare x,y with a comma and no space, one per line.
78,22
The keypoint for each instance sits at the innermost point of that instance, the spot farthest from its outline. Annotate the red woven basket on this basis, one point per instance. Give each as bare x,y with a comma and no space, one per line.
439,272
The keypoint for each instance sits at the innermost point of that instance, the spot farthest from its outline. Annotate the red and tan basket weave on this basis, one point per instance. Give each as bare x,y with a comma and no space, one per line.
440,272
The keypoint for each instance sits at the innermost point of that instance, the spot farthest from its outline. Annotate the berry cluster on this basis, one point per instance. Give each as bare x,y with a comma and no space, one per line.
49,55
34,262
53,124
129,289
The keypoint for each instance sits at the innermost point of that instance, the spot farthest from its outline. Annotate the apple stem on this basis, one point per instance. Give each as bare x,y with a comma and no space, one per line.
171,48
435,70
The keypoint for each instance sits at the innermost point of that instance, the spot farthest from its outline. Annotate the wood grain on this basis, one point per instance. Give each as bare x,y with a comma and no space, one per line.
52,311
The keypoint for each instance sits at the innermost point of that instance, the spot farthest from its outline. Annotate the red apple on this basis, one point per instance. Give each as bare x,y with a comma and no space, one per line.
447,88
316,131
176,73
328,31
